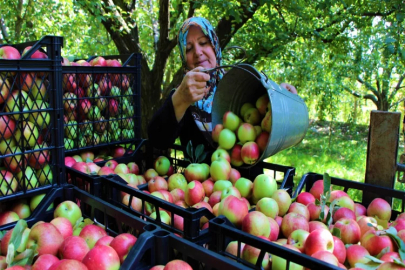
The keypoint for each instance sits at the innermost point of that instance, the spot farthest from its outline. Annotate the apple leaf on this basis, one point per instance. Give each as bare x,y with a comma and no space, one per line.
17,233
2,233
199,151
383,251
326,186
373,264
87,221
202,157
190,150
398,261
336,232
24,258
78,223
10,253
392,233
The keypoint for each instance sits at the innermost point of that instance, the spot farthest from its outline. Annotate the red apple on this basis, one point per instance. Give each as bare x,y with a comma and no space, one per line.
250,153
305,198
317,189
236,157
122,243
356,254
91,233
177,264
292,222
376,241
299,208
379,208
194,193
63,225
157,183
234,209
46,237
349,230
67,264
102,257
318,240
339,249
297,239
256,223
74,247
343,212
44,262
105,240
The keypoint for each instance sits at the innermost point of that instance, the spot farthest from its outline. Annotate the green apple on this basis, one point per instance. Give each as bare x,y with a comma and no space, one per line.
36,200
115,91
94,113
69,210
177,180
230,191
267,206
220,169
29,134
42,118
221,185
29,177
227,139
161,165
263,186
164,217
245,187
231,121
71,130
283,200
244,108
281,263
197,171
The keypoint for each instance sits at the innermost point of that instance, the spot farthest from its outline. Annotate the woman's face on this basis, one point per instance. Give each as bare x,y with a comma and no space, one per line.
199,51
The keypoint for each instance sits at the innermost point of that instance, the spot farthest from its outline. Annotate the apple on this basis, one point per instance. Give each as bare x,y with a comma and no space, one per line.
292,222
164,217
316,224
245,187
220,169
250,153
177,264
8,184
356,254
215,198
215,132
317,189
40,158
102,255
220,153
283,200
194,193
319,240
315,211
262,103
92,233
208,186
326,256
46,237
105,171
232,248
7,126
251,255
221,185
234,209
8,217
18,101
336,194
297,239
150,173
36,55
122,244
236,158
231,121
245,107
299,208
73,247
161,165
266,122
349,230
389,256
197,171
256,223
379,208
111,164
305,198
8,52
343,212
252,116
391,266
274,229
68,264
27,135
281,263
177,194
44,262
360,210
246,133
203,220
227,139
339,249
133,168
135,203
376,241
69,210
344,202
29,177
267,206
230,191
105,240
36,200
157,183
121,168
177,180
263,186
22,209
63,225
262,140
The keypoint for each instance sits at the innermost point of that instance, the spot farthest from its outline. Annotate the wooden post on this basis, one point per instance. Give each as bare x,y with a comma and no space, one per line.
382,151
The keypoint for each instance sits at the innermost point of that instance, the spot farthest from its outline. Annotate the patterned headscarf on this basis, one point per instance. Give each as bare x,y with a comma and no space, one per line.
203,120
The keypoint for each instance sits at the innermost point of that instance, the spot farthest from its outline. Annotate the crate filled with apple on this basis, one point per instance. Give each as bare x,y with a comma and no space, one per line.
74,230
101,101
29,116
321,222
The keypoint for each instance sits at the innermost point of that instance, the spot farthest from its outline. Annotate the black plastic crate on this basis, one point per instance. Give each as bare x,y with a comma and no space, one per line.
222,232
31,119
114,220
102,104
164,247
355,190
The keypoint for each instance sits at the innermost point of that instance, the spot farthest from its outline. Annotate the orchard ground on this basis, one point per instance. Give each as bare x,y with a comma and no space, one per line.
337,148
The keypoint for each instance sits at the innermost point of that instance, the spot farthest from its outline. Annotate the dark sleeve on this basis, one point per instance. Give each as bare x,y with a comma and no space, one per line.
163,129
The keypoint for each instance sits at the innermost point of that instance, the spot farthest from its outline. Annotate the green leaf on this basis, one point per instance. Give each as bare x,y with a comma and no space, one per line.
189,150
10,254
199,151
336,232
389,40
17,233
78,223
24,258
326,185
392,232
202,157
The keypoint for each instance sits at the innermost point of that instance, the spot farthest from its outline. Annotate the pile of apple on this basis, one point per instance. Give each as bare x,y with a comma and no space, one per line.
173,265
66,242
245,135
98,107
24,92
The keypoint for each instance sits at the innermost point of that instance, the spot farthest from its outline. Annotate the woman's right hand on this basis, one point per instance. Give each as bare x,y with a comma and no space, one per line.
193,88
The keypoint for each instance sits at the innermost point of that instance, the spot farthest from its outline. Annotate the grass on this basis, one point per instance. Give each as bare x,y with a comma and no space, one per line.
338,149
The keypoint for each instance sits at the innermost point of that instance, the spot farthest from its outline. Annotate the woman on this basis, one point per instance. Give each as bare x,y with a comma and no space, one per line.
186,113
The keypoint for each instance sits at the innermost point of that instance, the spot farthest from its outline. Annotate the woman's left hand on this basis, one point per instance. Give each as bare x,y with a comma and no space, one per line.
289,88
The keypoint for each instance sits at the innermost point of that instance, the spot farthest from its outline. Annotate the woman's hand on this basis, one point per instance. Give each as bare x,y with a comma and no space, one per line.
289,88
193,87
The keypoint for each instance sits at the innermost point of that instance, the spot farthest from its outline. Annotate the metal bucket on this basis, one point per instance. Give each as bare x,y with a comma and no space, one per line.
243,83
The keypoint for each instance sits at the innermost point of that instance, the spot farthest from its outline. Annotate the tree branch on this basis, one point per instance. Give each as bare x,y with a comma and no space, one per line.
358,95
368,86
397,87
4,33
